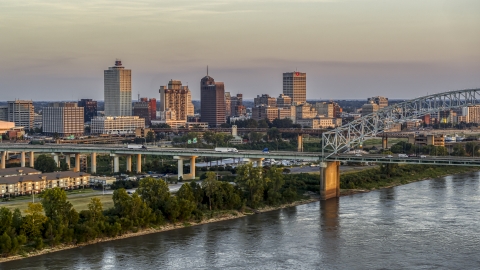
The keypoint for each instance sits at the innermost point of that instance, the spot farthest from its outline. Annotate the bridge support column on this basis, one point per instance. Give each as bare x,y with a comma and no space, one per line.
129,163
300,143
139,163
329,180
93,158
384,142
258,161
116,163
180,169
4,157
67,160
55,157
22,159
189,176
77,162
31,159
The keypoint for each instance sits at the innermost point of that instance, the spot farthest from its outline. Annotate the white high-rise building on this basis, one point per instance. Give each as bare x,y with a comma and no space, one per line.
295,86
118,90
63,118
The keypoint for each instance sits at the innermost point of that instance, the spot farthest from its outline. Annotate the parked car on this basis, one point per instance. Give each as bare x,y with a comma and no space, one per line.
423,156
358,155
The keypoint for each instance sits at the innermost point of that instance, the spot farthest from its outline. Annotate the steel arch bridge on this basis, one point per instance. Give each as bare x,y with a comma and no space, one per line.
354,133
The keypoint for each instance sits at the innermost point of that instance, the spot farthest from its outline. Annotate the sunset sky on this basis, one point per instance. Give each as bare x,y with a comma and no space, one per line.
58,49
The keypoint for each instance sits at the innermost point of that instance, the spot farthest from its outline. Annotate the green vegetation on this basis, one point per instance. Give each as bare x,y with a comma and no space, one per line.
56,220
393,174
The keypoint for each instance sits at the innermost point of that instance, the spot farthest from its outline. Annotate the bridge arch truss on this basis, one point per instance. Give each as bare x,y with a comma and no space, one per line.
354,133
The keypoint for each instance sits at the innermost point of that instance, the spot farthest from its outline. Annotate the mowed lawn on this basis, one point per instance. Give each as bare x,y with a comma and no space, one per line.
79,203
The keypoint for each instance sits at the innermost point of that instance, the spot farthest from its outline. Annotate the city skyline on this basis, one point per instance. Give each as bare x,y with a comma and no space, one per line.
351,49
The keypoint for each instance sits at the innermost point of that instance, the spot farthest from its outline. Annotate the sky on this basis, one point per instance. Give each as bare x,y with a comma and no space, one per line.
350,49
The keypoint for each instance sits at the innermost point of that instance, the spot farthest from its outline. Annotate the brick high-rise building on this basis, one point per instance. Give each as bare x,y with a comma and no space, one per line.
89,109
118,90
177,98
212,101
236,104
265,100
295,86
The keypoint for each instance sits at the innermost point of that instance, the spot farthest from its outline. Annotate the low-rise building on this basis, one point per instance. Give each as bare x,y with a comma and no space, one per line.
104,181
427,139
18,171
36,183
116,124
320,122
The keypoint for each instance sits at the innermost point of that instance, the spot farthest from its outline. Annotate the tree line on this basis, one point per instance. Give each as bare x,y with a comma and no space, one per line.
55,221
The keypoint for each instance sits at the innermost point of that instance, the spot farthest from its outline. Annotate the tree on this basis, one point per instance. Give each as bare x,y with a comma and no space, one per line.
274,180
34,220
250,180
96,210
45,164
472,148
155,193
210,185
255,137
150,136
459,150
62,217
6,219
274,134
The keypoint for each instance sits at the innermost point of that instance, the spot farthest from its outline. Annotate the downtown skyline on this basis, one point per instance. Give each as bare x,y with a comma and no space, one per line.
349,49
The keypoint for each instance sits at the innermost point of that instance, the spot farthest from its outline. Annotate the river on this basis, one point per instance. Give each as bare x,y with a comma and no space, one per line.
432,224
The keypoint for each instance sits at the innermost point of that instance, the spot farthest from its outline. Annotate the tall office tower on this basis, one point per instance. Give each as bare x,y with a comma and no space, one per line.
212,101
63,118
228,104
177,98
21,113
118,90
382,102
295,86
89,109
145,109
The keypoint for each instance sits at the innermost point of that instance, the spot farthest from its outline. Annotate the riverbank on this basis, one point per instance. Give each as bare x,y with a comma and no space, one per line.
220,216
409,174
409,177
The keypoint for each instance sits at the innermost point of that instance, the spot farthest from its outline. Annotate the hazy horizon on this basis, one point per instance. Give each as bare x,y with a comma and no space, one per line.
57,50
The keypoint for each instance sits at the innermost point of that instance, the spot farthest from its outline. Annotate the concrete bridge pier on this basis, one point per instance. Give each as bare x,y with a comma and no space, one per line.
116,163
32,159
93,158
67,160
258,161
300,143
189,176
77,162
129,163
384,142
4,157
22,159
329,180
139,163
55,157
